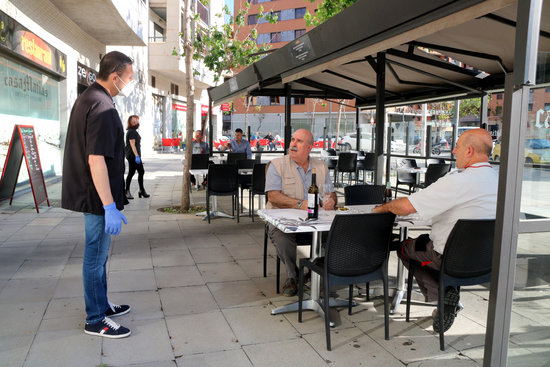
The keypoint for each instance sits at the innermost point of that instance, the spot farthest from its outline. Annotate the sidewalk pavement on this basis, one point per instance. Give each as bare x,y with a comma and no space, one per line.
197,293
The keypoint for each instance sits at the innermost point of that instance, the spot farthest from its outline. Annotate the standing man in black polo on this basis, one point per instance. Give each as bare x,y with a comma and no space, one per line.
93,183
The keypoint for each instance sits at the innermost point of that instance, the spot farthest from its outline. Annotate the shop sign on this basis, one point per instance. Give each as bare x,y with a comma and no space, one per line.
179,107
86,76
18,39
226,107
204,110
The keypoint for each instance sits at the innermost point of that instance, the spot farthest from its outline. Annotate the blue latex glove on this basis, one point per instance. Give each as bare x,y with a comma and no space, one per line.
112,219
138,159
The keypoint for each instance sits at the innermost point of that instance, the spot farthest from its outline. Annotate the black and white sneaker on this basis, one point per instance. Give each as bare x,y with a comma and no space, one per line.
116,310
107,328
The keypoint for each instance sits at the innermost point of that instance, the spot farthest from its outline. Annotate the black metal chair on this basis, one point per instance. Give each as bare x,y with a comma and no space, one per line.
223,181
356,252
406,178
332,164
434,173
364,194
232,158
258,185
199,161
435,161
245,180
367,164
467,260
347,163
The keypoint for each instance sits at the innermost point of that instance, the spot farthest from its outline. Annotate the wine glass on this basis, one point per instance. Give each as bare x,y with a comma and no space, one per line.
323,195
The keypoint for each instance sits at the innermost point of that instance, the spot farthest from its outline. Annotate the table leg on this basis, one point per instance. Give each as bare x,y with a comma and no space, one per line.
400,290
314,303
214,212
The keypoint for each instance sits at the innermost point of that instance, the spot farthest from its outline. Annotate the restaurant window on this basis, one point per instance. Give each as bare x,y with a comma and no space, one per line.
299,33
275,37
253,19
299,13
174,89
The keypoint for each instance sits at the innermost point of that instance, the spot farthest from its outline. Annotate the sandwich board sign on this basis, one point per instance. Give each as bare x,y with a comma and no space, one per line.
23,145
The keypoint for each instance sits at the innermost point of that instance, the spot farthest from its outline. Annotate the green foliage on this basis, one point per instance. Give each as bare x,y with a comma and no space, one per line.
470,107
221,48
327,9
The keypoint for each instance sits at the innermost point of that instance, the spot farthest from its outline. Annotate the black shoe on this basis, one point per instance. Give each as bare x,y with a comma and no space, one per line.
450,309
107,328
116,310
129,195
290,288
143,193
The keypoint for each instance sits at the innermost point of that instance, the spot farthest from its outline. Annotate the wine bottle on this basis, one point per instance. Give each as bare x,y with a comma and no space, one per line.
313,198
387,192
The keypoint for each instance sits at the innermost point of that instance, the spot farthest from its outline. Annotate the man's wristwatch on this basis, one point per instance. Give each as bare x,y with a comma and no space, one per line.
299,204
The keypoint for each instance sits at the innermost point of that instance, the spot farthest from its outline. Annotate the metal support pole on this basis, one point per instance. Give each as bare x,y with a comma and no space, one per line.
483,113
514,127
325,146
380,118
210,127
288,111
358,130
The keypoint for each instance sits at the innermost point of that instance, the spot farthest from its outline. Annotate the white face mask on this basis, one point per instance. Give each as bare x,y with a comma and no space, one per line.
127,89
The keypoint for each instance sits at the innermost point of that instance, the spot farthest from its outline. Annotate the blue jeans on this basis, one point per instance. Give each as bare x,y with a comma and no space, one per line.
94,271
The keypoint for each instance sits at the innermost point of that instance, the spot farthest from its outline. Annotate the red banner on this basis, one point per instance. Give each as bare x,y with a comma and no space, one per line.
179,107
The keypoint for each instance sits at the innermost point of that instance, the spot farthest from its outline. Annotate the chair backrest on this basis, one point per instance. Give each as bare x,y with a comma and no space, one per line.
407,163
234,157
406,176
331,151
258,178
358,244
469,248
435,172
370,161
435,161
347,162
223,178
245,163
364,194
199,161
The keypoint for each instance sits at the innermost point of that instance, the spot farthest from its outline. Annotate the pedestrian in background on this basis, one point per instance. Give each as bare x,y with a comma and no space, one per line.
93,183
133,155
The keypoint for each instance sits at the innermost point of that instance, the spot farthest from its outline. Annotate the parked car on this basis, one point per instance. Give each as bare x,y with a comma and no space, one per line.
349,142
536,151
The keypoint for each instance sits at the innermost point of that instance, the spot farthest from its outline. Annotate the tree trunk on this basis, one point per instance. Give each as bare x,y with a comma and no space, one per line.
190,94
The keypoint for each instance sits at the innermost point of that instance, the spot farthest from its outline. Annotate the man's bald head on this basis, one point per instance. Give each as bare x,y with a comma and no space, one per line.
480,140
306,135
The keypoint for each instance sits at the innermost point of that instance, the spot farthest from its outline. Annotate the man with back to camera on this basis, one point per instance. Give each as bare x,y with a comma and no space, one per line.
287,180
93,183
470,193
238,144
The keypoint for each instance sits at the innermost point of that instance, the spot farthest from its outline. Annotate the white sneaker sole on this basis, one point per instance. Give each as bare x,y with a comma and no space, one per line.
107,335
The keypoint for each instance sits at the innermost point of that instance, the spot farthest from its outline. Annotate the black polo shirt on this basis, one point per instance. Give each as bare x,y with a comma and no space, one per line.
94,128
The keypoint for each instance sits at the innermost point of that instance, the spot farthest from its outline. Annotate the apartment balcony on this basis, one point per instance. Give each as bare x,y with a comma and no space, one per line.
108,21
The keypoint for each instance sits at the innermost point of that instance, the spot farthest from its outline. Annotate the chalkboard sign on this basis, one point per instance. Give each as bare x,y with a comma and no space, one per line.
23,144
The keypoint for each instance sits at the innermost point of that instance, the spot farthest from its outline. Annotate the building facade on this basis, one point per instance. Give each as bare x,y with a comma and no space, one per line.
50,53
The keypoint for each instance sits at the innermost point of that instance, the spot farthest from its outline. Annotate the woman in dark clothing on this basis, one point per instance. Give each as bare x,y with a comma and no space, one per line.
133,155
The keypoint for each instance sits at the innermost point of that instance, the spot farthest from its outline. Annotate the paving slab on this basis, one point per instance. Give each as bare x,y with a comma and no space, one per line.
187,300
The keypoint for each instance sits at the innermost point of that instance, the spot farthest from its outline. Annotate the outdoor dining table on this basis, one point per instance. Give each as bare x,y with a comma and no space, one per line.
294,221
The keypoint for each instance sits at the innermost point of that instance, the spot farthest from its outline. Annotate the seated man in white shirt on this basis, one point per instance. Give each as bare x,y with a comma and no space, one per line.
287,181
470,193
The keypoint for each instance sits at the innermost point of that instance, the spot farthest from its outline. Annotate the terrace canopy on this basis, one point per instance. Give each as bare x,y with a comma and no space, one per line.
374,52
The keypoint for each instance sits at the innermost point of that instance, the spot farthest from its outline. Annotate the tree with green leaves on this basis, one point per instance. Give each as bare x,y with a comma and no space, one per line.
326,9
227,48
